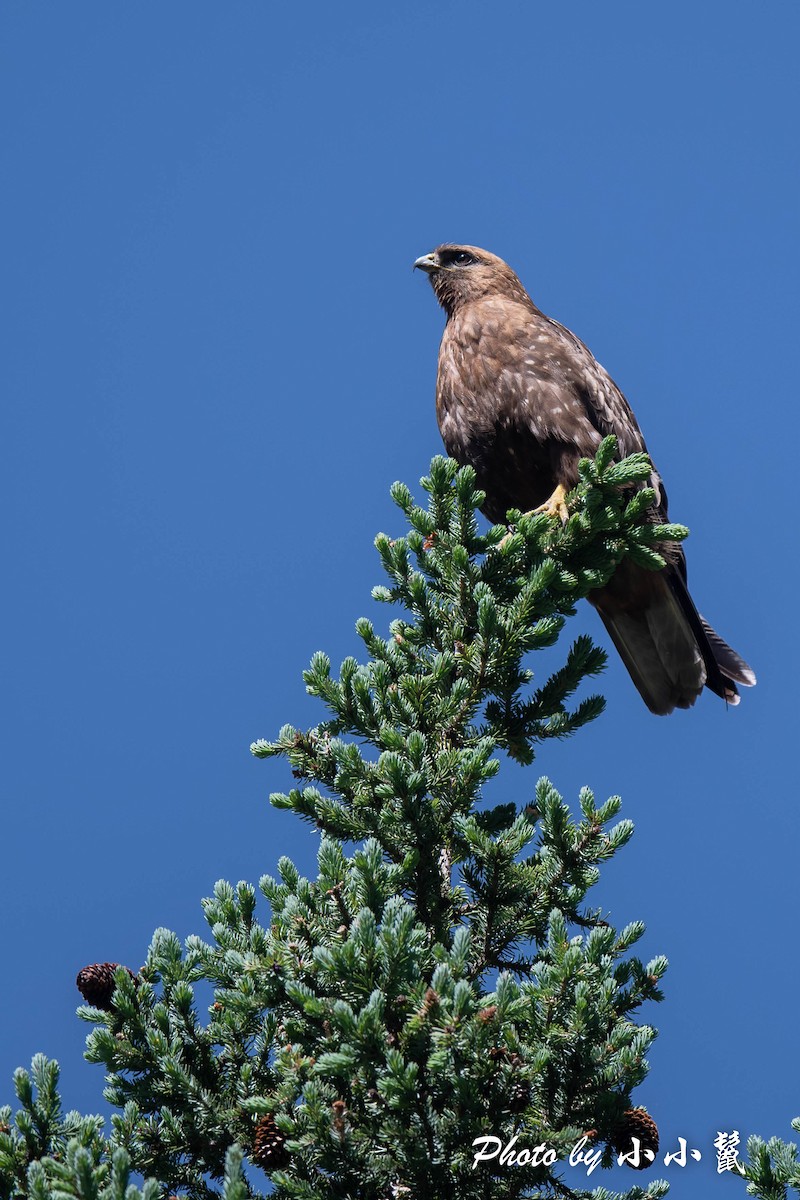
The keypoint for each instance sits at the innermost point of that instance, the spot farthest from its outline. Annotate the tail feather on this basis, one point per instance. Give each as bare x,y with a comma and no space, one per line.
725,668
670,651
731,664
667,669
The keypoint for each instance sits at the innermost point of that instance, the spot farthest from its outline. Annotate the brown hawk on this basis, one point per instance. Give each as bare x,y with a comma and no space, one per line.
521,400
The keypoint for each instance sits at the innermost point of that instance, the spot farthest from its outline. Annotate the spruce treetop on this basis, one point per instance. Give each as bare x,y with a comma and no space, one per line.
445,976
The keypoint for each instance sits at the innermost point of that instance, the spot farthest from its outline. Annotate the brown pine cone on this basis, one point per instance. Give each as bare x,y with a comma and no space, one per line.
519,1096
269,1145
96,984
636,1123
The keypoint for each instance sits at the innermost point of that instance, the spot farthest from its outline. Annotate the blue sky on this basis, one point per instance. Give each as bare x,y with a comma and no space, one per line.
217,362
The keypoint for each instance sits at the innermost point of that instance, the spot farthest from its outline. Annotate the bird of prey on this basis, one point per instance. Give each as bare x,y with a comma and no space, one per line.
521,400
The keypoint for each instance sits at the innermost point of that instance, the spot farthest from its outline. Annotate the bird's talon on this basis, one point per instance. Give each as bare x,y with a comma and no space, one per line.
556,506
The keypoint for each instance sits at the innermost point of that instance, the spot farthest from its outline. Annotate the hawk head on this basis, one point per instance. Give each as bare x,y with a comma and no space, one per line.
461,274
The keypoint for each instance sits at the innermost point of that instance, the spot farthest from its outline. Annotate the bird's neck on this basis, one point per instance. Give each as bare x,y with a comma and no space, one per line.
454,301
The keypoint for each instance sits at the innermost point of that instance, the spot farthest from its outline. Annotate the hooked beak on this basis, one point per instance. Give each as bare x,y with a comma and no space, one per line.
427,263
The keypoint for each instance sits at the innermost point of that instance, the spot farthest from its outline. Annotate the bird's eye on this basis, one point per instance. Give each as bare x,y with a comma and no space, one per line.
457,258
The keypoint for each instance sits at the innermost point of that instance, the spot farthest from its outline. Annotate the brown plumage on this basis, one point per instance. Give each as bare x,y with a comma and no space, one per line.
522,400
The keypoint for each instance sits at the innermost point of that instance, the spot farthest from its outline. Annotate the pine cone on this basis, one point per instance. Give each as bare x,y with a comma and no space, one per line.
96,984
269,1145
519,1096
339,1123
636,1123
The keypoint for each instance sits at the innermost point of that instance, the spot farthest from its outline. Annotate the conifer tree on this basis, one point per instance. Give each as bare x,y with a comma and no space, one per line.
772,1167
445,977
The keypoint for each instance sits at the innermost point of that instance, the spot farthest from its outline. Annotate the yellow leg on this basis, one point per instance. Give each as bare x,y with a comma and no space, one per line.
556,505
